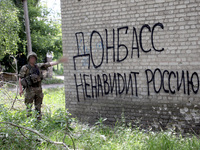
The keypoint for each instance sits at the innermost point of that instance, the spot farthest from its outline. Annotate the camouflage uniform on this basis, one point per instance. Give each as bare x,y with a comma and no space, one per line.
34,92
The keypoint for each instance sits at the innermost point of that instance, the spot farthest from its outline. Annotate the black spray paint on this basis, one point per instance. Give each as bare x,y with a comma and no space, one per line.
94,86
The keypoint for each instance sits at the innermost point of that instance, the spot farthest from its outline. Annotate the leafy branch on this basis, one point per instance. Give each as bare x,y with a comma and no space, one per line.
37,133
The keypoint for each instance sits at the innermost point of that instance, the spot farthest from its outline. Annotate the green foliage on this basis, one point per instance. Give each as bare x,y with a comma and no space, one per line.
52,81
54,99
96,137
9,28
127,138
52,125
45,33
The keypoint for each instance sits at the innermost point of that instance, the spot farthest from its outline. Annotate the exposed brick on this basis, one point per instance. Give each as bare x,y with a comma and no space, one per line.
179,38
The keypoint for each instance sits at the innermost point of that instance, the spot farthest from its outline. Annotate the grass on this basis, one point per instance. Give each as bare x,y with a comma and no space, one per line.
96,137
54,99
52,81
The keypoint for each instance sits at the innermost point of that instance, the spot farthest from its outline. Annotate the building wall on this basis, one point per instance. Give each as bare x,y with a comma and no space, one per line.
136,58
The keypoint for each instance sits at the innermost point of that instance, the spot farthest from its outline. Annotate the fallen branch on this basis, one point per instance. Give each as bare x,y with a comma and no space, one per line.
36,132
22,133
70,137
69,133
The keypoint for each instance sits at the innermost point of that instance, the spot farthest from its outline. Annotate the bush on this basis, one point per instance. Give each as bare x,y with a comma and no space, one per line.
52,125
92,137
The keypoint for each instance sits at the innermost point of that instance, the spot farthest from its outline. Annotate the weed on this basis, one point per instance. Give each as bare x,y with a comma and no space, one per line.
96,137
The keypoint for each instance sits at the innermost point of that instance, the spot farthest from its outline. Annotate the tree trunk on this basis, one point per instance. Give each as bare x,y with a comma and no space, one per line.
28,35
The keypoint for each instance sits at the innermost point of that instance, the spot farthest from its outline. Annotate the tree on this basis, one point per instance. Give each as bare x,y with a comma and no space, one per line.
9,28
26,17
27,26
44,32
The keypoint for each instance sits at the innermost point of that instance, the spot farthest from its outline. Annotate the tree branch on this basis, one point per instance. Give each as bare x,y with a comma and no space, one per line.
22,133
36,132
70,137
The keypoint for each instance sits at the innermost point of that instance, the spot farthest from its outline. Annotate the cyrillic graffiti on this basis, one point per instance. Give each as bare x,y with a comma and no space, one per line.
94,86
137,43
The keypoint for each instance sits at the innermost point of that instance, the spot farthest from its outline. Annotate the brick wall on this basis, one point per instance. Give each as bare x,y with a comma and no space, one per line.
139,58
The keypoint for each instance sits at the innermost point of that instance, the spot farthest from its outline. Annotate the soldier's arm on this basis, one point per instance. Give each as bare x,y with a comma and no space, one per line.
61,60
44,66
20,87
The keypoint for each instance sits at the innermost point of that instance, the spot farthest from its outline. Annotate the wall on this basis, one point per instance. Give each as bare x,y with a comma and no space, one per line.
139,58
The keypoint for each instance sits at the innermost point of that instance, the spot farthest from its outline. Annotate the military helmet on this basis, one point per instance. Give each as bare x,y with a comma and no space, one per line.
32,54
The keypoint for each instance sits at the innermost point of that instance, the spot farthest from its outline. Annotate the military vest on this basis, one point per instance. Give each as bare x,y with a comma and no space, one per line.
33,77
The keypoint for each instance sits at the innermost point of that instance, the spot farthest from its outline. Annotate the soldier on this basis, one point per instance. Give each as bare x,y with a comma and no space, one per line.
30,77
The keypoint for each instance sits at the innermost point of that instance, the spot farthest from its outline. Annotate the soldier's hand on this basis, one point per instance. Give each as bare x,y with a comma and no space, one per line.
21,92
63,59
